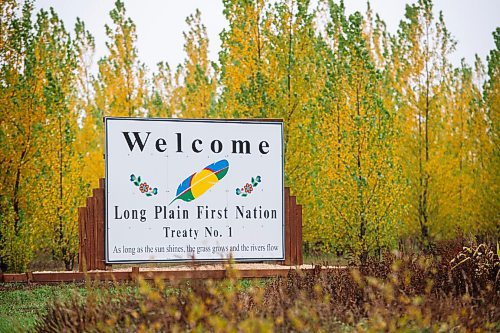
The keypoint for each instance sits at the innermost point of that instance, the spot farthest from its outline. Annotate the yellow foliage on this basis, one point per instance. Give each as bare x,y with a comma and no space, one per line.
384,139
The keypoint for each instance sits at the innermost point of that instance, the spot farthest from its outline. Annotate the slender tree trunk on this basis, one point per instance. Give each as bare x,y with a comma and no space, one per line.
363,256
59,209
17,185
424,176
425,194
289,75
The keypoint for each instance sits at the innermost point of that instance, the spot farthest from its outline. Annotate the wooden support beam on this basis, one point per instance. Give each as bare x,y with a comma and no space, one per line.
92,231
135,273
100,260
82,251
293,232
131,274
287,227
92,228
300,260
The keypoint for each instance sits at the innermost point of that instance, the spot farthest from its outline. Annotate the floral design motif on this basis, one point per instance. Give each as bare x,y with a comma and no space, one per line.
249,187
143,186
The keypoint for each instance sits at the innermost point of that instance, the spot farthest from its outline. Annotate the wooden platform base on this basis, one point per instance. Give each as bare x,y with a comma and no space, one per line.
220,271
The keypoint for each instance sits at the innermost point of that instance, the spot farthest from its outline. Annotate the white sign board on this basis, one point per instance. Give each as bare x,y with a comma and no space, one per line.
178,190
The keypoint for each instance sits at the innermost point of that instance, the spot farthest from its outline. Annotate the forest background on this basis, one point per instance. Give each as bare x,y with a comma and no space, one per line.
387,142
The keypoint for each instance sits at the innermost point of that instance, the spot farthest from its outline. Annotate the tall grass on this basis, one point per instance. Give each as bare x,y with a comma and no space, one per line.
453,290
22,305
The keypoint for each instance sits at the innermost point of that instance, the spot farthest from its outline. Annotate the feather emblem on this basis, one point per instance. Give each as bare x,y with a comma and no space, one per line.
200,182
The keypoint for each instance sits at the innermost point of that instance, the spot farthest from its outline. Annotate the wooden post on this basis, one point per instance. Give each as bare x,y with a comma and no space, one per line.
298,220
287,227
100,260
91,227
293,230
82,263
135,273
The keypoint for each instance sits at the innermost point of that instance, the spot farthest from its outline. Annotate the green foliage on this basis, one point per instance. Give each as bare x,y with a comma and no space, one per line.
22,306
358,203
490,210
384,139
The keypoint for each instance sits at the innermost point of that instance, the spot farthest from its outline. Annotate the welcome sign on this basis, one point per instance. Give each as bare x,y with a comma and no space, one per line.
178,190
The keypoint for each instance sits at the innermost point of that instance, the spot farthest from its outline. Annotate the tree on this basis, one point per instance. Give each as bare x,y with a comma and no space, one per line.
20,124
420,55
87,144
243,67
59,182
198,89
162,97
295,81
271,68
121,82
120,86
490,158
360,180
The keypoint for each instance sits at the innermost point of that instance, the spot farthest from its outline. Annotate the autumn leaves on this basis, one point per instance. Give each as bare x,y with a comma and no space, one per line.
385,139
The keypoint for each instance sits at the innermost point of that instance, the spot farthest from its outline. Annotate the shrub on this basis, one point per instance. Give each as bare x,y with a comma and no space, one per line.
400,293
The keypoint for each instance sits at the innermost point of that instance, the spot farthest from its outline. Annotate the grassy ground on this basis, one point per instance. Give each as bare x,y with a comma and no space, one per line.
21,305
